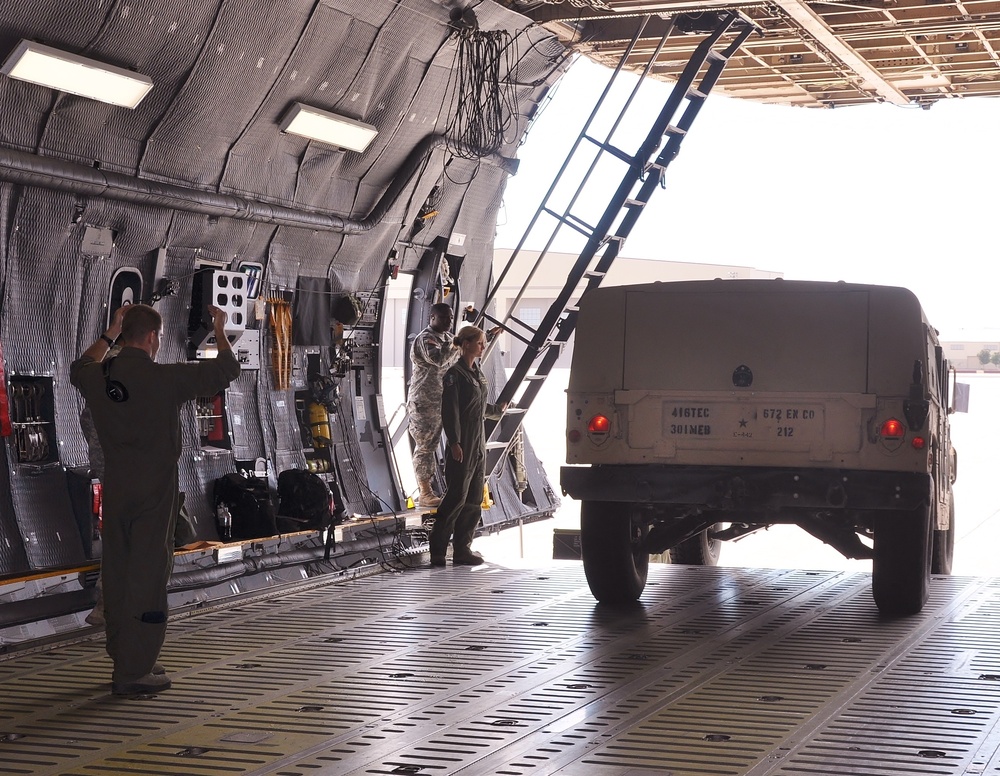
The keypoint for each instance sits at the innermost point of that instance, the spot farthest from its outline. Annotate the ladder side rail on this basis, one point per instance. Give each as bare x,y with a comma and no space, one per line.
606,144
519,296
711,77
623,193
678,94
667,155
569,157
670,148
619,202
673,141
635,89
566,217
504,431
670,151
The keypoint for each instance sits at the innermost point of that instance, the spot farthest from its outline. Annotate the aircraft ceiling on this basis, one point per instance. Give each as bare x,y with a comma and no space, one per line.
905,52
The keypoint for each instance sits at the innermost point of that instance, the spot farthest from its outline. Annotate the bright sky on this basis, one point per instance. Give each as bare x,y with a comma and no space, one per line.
874,194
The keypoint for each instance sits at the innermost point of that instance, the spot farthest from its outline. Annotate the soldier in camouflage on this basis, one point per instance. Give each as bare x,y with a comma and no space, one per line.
432,354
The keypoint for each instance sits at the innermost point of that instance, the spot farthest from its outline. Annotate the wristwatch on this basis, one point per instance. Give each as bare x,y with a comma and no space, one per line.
106,338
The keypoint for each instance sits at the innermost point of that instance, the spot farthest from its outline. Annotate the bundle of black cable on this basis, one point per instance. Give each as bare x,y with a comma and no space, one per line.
484,103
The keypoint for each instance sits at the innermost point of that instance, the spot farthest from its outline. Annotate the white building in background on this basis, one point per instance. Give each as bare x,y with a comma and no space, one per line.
546,283
548,280
550,276
964,354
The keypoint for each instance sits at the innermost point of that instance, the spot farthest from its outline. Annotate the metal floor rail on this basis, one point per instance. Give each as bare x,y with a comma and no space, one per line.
517,672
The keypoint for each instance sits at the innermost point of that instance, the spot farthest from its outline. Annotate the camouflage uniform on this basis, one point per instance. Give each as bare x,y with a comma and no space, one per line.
432,355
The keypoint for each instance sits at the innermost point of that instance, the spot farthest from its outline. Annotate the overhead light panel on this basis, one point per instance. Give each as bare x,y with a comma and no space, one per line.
325,127
47,66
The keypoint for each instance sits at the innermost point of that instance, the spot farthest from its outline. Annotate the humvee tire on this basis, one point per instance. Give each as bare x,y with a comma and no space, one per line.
944,546
901,567
614,561
700,550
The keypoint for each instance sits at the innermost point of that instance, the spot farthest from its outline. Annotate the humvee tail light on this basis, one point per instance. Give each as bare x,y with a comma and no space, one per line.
919,443
599,424
892,429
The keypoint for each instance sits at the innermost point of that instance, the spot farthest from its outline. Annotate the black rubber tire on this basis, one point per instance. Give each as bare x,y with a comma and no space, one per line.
613,559
944,546
699,550
901,568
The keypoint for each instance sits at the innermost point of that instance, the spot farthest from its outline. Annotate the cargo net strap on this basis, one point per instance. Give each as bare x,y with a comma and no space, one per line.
281,349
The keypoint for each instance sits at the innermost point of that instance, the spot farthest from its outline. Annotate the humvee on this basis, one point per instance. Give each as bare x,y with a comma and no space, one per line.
702,411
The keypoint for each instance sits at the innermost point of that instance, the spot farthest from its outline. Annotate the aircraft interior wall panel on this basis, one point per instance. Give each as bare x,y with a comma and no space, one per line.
83,131
8,204
197,474
360,264
237,67
159,44
349,463
43,19
27,108
388,76
326,179
13,558
28,104
194,236
422,114
326,55
293,253
283,441
139,229
45,518
43,267
40,319
243,417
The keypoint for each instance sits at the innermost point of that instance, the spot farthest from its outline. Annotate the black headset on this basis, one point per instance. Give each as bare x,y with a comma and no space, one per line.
114,389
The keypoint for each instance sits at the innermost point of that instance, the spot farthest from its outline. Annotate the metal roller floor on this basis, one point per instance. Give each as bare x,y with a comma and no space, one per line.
518,673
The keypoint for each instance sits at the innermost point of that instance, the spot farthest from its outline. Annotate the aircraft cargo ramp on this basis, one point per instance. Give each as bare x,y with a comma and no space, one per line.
519,673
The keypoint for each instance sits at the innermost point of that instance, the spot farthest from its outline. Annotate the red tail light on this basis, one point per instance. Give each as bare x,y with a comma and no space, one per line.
892,429
919,443
599,424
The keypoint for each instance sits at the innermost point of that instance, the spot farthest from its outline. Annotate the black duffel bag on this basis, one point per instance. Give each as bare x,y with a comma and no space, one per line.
305,503
249,502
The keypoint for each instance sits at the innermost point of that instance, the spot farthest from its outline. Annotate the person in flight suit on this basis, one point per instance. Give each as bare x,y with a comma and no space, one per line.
431,356
136,404
464,407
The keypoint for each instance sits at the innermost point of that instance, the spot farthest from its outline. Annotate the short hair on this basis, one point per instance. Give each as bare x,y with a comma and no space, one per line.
440,308
138,321
468,334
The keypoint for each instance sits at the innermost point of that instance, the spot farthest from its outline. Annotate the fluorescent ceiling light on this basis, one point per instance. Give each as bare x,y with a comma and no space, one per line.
71,73
325,127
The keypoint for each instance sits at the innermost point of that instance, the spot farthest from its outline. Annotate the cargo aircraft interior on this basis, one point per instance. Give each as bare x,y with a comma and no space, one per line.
288,161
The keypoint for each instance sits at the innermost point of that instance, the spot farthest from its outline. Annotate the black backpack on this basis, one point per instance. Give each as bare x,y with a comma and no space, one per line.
304,501
249,502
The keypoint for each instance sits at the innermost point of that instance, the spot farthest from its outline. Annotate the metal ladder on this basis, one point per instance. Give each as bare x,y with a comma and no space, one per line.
646,169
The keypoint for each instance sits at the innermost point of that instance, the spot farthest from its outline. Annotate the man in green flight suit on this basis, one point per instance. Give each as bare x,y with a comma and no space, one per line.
136,405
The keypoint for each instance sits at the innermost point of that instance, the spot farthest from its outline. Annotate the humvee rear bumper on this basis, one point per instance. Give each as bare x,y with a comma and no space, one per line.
746,487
